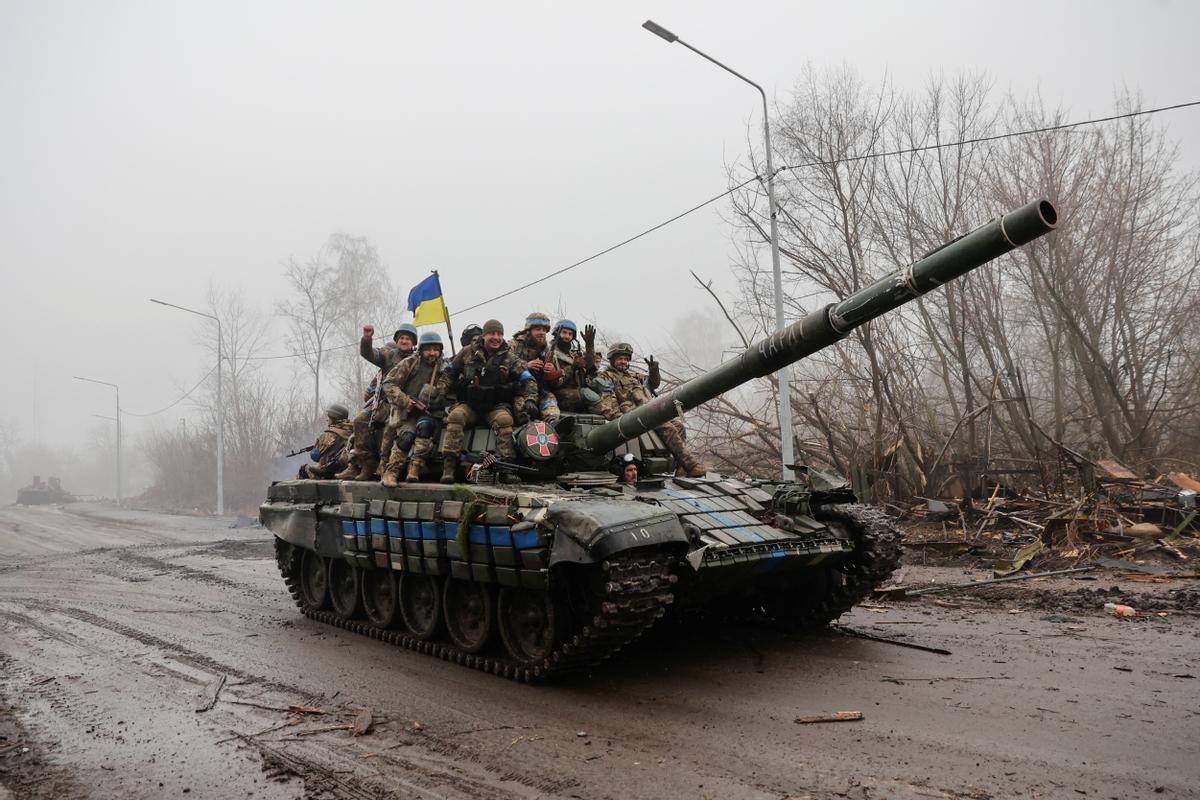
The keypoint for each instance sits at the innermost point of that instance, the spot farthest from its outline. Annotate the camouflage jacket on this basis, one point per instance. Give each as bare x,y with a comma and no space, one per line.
332,442
626,390
565,360
485,381
413,378
386,358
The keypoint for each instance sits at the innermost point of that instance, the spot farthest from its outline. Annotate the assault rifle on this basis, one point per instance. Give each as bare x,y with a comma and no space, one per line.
301,450
490,461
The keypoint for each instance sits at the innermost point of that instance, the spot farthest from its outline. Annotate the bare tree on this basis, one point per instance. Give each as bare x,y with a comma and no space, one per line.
312,313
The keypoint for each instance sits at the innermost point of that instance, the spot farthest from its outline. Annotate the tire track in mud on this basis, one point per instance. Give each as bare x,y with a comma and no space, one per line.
437,764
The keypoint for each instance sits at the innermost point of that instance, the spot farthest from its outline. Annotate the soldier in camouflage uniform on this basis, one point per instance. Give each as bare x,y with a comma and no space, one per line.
416,410
532,347
625,389
574,366
488,380
371,442
330,446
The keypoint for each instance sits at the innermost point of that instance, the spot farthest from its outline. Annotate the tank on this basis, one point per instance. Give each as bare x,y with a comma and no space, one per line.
40,493
552,575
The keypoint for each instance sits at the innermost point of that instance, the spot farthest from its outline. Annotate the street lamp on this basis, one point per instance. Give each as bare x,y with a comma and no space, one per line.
118,418
784,376
220,405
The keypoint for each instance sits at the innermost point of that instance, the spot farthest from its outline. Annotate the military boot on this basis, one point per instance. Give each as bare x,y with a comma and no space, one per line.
449,467
690,468
391,475
369,467
348,473
414,470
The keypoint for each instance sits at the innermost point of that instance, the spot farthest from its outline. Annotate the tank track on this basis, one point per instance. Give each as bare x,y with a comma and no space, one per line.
872,562
636,593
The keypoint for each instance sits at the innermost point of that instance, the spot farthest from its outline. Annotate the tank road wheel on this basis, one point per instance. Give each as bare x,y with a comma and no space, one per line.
531,624
823,595
470,614
314,581
344,583
379,597
421,604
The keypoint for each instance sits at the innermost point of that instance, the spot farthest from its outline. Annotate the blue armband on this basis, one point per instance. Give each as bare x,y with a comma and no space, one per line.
525,375
314,454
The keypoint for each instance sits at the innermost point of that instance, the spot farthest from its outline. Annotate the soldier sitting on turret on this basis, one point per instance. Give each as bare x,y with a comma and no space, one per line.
489,381
330,446
416,410
531,346
574,366
625,389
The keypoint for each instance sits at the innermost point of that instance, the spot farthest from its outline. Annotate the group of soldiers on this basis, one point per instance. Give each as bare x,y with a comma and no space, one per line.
541,372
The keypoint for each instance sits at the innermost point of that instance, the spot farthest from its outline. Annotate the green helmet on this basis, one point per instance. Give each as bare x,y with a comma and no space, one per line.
405,329
337,412
537,318
620,349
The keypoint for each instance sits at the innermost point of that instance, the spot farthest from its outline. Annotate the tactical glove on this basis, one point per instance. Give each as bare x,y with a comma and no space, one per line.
531,410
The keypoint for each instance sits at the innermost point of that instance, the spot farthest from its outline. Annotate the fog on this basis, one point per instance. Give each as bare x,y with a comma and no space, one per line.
157,149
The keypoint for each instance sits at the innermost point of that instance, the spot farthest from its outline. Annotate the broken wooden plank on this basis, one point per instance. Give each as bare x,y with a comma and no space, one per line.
210,699
1184,481
836,716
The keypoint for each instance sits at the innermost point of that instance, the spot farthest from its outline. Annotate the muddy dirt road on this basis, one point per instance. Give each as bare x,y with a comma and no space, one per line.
119,630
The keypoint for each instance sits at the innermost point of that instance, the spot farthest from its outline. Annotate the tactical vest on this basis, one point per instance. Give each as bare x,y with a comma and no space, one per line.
486,383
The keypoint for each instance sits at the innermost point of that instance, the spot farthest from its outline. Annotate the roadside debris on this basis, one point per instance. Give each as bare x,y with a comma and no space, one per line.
1121,610
852,632
363,722
210,698
905,591
836,716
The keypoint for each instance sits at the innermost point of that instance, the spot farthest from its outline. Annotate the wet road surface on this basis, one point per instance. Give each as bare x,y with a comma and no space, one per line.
118,628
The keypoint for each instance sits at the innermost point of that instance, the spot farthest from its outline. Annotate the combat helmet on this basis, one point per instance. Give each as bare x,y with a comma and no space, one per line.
469,333
537,318
620,349
430,337
564,323
408,328
337,412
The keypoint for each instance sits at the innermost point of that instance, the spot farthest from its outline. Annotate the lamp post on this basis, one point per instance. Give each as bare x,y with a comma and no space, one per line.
783,376
220,405
118,419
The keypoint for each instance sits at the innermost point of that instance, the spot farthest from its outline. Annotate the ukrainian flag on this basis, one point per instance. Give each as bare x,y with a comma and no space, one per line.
426,303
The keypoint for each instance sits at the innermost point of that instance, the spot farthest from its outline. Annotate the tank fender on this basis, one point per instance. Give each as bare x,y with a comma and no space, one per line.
306,525
591,530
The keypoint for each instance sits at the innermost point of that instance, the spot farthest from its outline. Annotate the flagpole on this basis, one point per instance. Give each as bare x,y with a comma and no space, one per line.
445,313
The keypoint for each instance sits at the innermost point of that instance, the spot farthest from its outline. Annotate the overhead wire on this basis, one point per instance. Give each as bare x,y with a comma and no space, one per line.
177,402
758,177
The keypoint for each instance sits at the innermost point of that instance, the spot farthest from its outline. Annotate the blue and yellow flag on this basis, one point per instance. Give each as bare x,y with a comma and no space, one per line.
426,303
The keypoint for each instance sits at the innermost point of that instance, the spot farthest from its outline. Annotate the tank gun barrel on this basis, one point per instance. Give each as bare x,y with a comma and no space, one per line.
833,323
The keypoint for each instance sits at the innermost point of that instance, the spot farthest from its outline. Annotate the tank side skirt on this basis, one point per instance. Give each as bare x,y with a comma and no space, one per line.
637,591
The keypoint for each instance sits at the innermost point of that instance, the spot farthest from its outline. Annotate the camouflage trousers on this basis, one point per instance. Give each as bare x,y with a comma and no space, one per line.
412,437
373,440
462,416
674,436
570,398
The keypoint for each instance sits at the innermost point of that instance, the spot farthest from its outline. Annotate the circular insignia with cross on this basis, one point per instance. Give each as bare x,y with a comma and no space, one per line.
539,440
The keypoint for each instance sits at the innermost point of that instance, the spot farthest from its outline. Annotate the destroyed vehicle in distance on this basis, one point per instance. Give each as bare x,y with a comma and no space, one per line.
552,575
39,493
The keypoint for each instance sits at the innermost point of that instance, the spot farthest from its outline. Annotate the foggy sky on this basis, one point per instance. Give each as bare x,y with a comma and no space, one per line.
150,148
